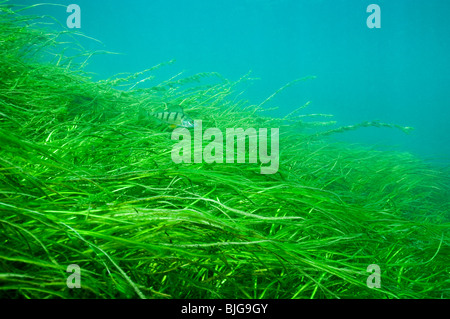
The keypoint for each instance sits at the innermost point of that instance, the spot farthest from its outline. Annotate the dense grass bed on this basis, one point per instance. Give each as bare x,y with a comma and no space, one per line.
86,178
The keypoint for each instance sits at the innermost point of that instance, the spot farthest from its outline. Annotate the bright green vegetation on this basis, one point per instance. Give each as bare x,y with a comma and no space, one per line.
86,178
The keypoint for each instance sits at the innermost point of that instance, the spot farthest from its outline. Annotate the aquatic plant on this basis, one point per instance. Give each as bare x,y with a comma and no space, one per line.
86,178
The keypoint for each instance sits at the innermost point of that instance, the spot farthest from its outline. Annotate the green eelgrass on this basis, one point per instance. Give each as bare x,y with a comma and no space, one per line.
86,178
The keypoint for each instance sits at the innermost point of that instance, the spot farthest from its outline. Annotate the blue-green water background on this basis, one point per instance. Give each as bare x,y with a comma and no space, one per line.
396,74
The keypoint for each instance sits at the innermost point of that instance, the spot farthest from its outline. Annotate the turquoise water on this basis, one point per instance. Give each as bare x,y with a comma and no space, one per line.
398,73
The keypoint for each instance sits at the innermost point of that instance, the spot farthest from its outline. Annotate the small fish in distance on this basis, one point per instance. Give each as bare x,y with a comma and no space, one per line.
175,119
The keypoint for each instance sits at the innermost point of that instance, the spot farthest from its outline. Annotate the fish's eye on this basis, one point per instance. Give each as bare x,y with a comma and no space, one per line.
187,123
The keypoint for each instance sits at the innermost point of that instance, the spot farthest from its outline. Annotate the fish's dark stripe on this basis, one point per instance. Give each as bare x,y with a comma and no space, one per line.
171,117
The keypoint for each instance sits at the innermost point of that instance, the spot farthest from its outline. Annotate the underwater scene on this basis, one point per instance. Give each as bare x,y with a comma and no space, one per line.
242,149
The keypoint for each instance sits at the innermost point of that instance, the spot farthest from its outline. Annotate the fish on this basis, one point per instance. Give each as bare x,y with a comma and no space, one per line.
175,119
